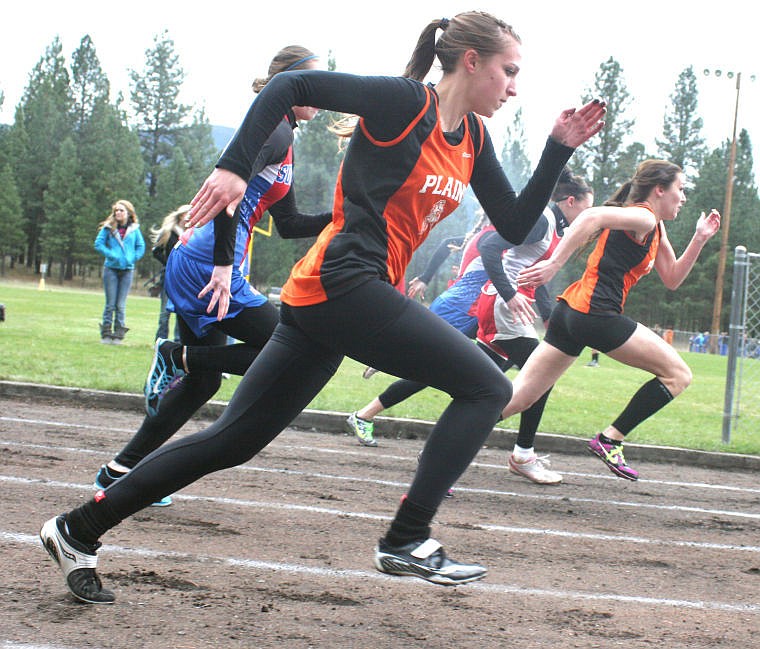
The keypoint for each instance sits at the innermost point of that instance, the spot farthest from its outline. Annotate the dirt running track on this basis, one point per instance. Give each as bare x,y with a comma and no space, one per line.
278,552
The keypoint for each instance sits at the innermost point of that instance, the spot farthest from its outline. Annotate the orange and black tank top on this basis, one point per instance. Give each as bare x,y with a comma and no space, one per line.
616,264
386,203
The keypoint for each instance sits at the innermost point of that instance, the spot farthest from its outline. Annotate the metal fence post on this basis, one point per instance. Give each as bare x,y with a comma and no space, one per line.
736,331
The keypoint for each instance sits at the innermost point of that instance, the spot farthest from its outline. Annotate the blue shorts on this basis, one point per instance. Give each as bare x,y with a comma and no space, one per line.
186,277
570,330
464,322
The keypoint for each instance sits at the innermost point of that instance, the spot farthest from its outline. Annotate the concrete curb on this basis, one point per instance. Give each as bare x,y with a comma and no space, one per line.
333,422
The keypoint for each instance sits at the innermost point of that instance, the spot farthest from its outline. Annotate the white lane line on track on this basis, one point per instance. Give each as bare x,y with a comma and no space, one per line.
502,467
349,453
514,494
7,644
341,513
502,589
473,490
64,424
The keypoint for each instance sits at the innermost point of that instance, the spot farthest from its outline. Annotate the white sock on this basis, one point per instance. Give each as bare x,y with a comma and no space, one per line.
521,453
115,466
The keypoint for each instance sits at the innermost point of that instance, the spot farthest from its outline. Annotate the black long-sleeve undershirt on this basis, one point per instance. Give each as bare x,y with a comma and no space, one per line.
388,105
290,223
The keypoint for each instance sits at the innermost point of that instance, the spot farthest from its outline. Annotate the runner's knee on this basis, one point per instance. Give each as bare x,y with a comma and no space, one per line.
203,385
497,391
678,378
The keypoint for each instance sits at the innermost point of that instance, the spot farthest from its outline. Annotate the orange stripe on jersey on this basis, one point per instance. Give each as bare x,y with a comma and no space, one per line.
404,133
304,287
616,264
578,295
385,207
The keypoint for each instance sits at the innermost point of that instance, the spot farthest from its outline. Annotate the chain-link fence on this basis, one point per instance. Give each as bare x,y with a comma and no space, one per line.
743,371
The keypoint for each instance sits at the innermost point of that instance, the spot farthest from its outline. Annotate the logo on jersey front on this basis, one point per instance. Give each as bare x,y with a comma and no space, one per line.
435,215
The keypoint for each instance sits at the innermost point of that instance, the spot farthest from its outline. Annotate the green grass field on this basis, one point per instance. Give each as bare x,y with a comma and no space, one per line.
51,336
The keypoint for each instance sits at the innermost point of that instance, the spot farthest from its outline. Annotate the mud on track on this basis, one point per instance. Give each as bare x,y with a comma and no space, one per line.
278,552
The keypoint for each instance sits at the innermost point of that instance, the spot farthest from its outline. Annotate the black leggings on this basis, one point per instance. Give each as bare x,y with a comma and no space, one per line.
402,389
374,324
518,350
208,357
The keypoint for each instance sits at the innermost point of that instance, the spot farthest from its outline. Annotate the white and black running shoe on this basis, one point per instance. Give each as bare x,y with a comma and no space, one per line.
77,561
426,560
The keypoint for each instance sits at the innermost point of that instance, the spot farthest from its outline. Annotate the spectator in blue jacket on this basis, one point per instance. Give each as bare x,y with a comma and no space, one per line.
121,243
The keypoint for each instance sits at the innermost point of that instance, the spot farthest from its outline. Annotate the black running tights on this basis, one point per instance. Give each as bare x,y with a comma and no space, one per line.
518,350
374,324
209,357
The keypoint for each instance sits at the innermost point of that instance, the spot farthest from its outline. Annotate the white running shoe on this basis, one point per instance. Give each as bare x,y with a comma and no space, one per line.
77,561
426,560
535,469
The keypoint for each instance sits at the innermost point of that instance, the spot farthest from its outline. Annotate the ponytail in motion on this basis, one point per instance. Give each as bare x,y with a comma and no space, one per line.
471,30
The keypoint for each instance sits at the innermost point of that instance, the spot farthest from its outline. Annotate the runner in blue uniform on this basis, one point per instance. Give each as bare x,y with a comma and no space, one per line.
203,353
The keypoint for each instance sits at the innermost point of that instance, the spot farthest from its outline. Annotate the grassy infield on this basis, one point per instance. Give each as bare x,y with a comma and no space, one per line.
51,336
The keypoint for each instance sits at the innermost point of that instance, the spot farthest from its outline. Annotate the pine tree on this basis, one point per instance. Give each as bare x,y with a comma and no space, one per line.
745,204
65,201
5,152
682,143
514,159
89,85
12,238
110,161
605,164
198,149
175,185
42,122
154,96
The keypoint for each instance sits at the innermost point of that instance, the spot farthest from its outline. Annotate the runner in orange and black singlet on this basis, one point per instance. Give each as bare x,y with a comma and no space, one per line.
589,313
401,175
616,264
408,164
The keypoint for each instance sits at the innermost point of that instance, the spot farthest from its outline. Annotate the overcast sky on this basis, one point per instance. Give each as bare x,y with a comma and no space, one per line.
223,46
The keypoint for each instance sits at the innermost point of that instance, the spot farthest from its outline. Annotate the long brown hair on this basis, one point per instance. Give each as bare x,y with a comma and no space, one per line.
110,220
649,174
470,30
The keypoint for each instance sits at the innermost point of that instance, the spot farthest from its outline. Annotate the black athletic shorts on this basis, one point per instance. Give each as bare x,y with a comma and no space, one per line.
570,330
